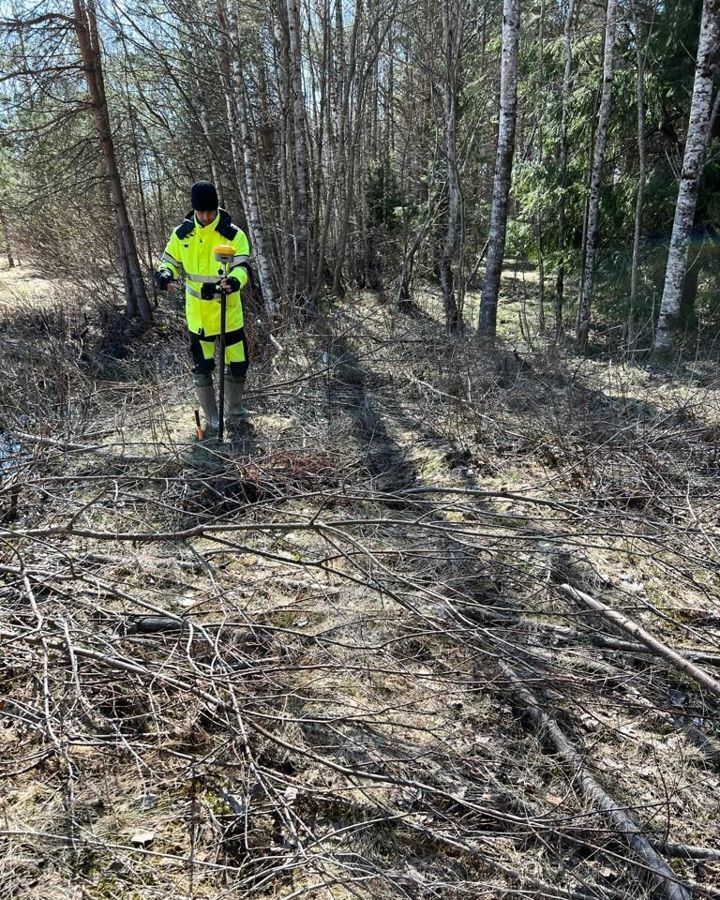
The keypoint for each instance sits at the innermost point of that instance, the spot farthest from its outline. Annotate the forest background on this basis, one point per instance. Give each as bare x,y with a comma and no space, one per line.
371,145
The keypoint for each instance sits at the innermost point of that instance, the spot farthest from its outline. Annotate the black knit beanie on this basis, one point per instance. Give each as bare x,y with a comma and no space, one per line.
203,196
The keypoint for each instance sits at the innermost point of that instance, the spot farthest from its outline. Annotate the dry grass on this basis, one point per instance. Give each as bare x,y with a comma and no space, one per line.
272,669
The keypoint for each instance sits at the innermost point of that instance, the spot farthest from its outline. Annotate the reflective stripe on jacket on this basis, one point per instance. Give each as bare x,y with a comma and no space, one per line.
191,248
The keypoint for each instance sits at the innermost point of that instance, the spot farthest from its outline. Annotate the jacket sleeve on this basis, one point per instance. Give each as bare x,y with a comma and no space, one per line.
241,263
171,258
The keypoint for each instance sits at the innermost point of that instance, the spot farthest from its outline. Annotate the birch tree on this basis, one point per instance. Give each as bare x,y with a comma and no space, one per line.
695,144
238,114
487,325
592,232
299,153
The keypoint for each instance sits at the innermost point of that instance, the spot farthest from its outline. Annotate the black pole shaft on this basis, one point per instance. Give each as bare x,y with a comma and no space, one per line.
221,387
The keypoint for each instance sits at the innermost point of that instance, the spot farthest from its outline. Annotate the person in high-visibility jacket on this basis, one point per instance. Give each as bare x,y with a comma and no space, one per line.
191,248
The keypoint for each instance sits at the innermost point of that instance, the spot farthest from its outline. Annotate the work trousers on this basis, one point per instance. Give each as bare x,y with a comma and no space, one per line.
202,349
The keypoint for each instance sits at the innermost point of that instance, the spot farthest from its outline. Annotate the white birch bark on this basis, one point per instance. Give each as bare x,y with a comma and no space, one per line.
587,280
251,202
300,155
503,170
252,205
286,194
695,143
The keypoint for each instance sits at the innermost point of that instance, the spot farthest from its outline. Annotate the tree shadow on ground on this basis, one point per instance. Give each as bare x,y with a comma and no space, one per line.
492,590
384,459
609,446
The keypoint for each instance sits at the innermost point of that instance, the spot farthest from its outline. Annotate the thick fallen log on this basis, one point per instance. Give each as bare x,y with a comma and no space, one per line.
667,881
687,851
154,624
652,643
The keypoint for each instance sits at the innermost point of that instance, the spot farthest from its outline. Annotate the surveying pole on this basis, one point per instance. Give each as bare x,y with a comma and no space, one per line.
224,254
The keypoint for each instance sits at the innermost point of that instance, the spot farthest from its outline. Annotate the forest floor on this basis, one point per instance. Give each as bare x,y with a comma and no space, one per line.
352,653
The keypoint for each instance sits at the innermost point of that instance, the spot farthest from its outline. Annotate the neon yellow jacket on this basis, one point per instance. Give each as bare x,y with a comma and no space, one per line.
191,247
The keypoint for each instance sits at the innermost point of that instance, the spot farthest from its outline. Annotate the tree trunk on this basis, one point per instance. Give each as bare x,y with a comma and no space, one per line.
452,19
360,67
302,213
141,196
592,234
86,30
337,116
487,325
687,318
690,178
281,65
566,87
252,202
539,217
5,234
640,58
238,107
541,274
320,192
225,69
349,130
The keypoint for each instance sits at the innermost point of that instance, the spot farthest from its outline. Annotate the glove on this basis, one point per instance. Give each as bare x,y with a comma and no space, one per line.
233,284
162,280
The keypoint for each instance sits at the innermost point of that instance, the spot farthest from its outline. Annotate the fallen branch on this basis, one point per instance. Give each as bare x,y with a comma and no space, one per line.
571,636
46,441
652,643
667,880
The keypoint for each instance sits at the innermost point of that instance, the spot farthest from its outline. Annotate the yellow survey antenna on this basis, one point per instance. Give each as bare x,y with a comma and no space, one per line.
224,253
